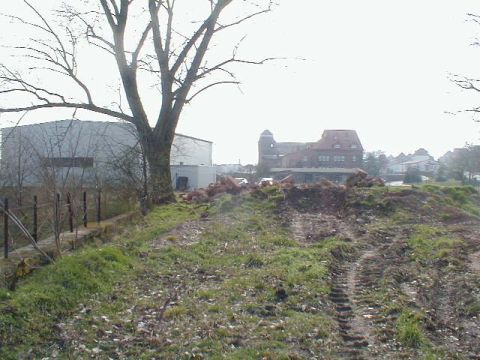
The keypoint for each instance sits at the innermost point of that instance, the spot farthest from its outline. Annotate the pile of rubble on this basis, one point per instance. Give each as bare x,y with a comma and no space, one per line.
361,179
229,185
226,185
324,196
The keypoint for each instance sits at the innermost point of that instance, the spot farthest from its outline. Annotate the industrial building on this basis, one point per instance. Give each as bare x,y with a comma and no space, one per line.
92,152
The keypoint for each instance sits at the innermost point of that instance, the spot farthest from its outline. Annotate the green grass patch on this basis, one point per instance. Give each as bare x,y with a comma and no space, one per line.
28,315
473,307
431,244
225,289
409,329
410,334
460,197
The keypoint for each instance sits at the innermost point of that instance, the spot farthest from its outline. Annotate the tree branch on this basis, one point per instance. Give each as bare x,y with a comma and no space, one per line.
209,86
140,45
89,107
248,17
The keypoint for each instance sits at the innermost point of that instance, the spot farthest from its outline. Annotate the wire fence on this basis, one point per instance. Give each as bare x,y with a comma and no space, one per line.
49,216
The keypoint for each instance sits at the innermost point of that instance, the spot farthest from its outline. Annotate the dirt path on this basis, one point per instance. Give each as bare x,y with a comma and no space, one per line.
443,294
475,261
354,334
365,332
349,278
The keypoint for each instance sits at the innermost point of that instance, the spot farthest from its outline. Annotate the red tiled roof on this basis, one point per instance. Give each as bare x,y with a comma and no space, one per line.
346,139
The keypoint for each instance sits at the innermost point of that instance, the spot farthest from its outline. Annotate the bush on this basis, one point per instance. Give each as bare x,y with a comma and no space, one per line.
412,176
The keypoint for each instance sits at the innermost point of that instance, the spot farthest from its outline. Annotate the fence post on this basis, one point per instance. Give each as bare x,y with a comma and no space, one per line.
57,214
5,227
85,219
70,212
35,218
99,207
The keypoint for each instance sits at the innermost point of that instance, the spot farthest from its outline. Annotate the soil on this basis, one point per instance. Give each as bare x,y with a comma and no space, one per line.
371,284
441,292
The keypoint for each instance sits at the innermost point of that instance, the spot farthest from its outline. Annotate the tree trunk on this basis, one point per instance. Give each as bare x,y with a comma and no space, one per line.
158,157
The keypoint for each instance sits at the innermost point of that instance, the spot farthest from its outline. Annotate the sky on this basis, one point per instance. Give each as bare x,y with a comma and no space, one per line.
380,67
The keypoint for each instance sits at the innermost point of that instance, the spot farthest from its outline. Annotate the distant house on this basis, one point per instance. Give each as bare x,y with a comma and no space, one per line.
93,151
225,169
420,160
336,155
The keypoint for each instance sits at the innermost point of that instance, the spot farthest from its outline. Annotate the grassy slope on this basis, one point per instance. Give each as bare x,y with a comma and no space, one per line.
225,294
432,255
206,297
221,295
28,316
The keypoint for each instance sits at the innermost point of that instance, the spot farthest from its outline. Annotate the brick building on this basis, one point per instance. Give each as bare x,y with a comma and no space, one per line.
336,155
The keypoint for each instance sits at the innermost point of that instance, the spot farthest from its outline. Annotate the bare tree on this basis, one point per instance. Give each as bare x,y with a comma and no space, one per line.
17,166
179,61
467,82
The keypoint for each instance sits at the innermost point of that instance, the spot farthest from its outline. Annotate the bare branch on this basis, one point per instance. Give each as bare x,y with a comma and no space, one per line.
188,46
9,77
109,15
140,44
89,107
210,86
465,82
248,17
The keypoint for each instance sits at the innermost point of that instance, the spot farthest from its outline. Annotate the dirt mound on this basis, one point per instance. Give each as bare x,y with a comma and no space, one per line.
325,197
361,179
225,185
427,205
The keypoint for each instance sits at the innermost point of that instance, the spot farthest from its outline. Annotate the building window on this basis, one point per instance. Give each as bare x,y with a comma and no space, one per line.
324,158
337,146
354,158
354,146
339,158
305,159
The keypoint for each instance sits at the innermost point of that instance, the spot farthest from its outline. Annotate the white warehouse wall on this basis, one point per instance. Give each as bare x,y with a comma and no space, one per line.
105,142
187,150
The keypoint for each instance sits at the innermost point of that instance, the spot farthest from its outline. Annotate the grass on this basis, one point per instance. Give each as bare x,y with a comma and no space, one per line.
244,289
409,329
223,292
455,196
430,244
54,292
473,307
410,334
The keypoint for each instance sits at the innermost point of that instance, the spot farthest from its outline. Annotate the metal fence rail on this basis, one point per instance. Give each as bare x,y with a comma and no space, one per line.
51,220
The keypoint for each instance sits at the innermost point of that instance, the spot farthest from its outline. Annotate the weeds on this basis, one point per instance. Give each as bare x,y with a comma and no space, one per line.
431,244
55,291
409,329
242,289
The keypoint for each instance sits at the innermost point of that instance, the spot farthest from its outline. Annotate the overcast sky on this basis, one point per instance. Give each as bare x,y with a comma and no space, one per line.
380,67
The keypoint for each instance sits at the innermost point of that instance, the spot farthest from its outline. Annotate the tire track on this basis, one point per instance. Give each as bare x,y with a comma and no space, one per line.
362,327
